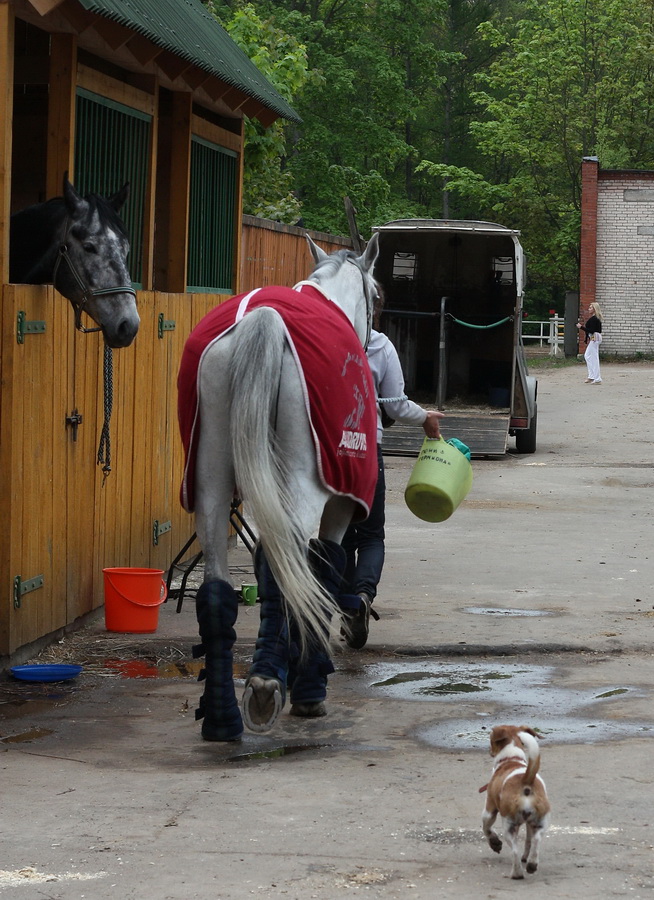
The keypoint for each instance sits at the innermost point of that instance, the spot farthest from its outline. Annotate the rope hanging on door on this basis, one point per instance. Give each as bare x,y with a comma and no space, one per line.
104,447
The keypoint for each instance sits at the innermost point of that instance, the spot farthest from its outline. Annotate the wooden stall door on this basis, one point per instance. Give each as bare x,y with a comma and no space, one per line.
33,466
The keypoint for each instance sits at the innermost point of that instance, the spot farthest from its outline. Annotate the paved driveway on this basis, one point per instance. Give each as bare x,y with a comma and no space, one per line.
533,604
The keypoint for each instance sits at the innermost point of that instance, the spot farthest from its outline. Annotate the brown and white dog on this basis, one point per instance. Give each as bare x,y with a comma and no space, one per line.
517,792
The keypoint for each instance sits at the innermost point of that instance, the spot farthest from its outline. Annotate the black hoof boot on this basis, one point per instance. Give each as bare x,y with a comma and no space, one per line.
308,675
265,687
216,607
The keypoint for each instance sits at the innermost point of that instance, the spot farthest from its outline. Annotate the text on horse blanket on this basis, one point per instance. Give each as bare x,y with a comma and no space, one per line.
338,387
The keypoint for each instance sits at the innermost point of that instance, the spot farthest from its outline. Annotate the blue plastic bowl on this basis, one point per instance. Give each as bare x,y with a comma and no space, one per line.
45,672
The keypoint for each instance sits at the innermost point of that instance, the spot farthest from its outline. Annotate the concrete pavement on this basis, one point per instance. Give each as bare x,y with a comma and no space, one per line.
533,605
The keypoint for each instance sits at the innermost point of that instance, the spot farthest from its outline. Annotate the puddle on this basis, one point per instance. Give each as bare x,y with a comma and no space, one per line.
277,752
464,734
144,668
31,735
500,611
448,681
528,693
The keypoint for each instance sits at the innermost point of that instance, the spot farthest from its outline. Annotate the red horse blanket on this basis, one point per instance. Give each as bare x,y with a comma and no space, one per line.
338,387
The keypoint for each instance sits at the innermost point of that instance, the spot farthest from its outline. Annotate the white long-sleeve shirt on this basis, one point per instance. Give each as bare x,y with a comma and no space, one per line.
389,382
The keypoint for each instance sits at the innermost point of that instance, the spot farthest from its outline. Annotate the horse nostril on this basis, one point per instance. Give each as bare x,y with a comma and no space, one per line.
126,332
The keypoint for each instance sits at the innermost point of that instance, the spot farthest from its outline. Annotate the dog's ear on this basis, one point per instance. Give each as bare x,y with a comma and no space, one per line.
500,736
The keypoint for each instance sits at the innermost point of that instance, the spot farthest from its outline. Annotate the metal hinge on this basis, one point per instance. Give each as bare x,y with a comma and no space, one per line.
164,325
159,528
23,327
24,587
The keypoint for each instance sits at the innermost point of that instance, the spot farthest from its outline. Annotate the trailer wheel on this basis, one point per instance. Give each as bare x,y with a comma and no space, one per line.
525,440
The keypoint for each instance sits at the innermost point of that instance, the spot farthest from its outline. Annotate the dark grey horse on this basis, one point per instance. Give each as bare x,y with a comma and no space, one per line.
80,245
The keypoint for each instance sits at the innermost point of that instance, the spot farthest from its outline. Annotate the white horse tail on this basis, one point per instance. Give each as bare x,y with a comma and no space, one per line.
261,476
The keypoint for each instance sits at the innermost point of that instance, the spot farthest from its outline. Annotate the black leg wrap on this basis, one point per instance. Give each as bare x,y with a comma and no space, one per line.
265,687
308,674
216,607
272,649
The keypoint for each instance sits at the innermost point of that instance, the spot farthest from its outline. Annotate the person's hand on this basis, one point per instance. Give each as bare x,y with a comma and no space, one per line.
431,425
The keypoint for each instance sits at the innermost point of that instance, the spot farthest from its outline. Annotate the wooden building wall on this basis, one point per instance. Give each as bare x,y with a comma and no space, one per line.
60,522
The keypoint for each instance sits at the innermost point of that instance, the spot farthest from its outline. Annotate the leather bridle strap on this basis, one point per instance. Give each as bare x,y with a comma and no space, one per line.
87,293
370,303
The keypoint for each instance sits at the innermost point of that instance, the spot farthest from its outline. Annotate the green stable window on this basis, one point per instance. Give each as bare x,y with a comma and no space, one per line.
112,146
214,173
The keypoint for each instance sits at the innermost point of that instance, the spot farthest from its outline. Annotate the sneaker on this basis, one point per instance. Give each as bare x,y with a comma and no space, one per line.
358,623
599,381
588,381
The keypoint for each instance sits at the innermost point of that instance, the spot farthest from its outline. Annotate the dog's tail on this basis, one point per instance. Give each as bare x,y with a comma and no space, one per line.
533,761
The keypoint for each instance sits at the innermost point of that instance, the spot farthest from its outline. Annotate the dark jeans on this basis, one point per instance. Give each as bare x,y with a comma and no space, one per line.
364,544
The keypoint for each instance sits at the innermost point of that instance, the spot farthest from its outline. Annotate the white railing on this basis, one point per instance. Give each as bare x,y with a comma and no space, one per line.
547,332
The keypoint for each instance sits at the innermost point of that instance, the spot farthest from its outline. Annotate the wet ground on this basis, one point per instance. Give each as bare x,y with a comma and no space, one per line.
532,605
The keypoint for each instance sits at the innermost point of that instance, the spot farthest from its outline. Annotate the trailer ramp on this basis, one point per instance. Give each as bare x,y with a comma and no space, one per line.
486,435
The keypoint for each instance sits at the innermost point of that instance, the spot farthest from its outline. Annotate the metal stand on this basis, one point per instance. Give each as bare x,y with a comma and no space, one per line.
241,528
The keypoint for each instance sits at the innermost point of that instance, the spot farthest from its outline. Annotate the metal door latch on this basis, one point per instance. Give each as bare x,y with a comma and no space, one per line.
74,420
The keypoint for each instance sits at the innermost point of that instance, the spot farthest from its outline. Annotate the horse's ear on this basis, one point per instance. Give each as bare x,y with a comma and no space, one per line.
118,199
369,256
72,199
318,254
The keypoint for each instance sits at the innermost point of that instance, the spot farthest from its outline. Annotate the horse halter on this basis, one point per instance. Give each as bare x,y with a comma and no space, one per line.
370,302
87,292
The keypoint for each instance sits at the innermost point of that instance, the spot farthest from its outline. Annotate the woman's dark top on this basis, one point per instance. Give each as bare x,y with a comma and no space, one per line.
591,326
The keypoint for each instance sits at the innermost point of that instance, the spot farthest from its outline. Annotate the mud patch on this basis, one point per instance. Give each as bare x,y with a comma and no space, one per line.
26,736
276,752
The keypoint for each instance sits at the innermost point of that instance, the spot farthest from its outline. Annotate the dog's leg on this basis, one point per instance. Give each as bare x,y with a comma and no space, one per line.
534,834
487,821
511,835
527,850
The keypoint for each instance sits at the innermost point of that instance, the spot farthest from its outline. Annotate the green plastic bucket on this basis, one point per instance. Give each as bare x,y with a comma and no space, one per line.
441,479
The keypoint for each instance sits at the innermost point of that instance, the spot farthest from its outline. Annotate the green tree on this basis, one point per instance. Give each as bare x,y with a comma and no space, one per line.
268,188
571,78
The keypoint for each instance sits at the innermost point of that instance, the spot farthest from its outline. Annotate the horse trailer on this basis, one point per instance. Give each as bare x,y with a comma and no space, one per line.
453,295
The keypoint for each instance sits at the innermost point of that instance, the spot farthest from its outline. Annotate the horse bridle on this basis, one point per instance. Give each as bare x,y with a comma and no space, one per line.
87,292
104,448
370,302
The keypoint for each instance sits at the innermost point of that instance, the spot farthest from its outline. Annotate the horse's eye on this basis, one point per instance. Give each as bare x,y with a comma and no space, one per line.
89,247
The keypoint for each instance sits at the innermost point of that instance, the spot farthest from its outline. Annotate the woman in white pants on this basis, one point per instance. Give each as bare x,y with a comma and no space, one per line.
593,329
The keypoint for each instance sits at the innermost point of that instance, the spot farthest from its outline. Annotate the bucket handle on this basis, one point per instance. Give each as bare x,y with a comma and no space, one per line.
163,595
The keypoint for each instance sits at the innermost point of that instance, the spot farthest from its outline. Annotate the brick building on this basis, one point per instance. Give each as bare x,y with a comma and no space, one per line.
617,255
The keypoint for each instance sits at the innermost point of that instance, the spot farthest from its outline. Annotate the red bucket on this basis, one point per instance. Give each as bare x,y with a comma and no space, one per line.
132,598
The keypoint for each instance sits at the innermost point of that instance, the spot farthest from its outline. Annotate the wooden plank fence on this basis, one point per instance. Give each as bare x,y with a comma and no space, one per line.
273,253
60,524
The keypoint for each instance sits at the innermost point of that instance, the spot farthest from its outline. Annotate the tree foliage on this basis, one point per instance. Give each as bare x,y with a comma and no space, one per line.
476,109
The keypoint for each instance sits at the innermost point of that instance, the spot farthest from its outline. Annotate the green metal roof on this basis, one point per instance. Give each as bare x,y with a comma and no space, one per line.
187,29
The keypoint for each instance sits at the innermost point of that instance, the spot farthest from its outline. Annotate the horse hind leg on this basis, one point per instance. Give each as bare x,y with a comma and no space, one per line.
310,670
265,687
217,608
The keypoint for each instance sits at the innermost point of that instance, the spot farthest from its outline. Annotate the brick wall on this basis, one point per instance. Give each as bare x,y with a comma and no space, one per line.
624,258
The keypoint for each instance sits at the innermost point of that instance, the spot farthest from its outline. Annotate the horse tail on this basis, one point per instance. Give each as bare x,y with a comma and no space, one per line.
261,475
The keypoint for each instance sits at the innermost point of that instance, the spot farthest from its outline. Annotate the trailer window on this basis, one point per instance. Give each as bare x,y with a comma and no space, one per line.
503,269
404,267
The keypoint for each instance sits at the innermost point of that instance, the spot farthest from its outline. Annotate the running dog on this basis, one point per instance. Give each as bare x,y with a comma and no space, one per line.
517,792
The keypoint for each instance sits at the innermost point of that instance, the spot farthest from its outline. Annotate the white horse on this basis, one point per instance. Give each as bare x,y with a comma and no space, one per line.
255,433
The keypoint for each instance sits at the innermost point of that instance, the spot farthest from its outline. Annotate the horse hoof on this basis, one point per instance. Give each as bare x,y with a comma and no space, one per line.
309,710
262,703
